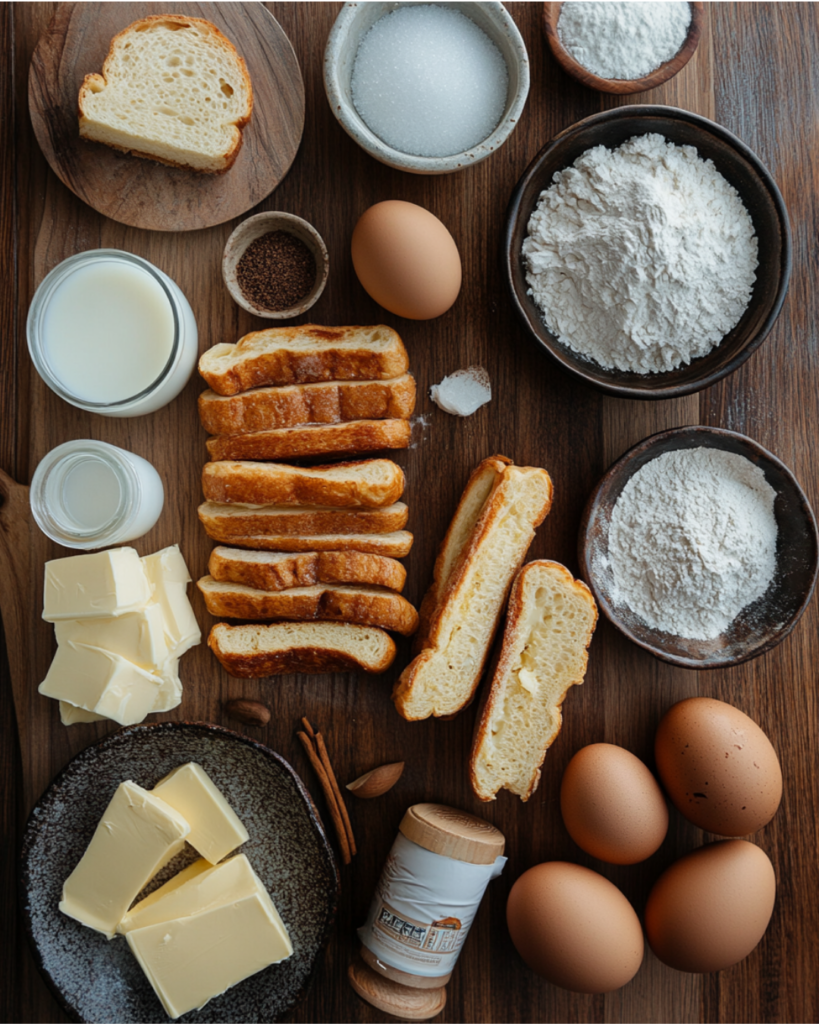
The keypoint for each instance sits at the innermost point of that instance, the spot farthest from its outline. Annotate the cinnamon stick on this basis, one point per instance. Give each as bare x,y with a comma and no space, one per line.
308,728
331,775
329,796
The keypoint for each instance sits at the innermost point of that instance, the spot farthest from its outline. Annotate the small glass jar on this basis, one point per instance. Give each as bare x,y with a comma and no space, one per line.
111,333
89,494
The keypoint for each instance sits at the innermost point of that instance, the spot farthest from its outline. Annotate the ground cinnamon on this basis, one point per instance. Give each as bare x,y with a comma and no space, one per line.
276,271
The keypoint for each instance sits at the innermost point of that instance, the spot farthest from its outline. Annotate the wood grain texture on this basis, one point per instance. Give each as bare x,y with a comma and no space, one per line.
144,193
756,72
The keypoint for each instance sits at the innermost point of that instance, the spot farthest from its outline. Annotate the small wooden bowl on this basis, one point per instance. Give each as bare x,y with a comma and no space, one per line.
765,622
260,224
621,86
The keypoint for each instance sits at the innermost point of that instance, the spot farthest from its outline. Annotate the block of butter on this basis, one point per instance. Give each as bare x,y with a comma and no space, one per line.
169,578
215,829
136,916
69,715
190,960
137,636
137,836
98,681
170,692
86,586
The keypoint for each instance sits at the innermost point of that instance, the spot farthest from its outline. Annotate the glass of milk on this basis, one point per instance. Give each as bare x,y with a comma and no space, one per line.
110,333
89,494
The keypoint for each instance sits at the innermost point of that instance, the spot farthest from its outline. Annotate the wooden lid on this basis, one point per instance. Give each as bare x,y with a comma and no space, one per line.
390,997
452,833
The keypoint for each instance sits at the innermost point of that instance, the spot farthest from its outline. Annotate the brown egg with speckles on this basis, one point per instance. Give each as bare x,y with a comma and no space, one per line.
710,909
611,804
718,767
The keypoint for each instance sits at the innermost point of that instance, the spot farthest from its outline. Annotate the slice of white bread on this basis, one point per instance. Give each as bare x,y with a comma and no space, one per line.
245,520
442,679
252,652
279,570
299,404
480,485
307,354
393,545
549,626
372,483
367,606
316,439
172,89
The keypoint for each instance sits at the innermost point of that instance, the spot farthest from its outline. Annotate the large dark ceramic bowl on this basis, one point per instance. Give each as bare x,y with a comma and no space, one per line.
742,168
97,980
762,624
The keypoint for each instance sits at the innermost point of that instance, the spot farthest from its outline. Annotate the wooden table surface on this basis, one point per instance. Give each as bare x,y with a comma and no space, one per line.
757,73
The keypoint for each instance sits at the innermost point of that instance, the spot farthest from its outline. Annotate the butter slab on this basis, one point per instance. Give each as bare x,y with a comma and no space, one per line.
169,578
86,586
138,636
69,715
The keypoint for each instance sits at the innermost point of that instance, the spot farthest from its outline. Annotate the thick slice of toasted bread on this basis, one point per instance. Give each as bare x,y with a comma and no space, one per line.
391,545
246,520
172,89
251,652
279,570
371,483
549,626
307,354
367,606
317,439
299,404
443,678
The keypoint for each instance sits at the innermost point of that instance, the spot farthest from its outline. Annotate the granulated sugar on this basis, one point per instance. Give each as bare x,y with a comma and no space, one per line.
623,40
463,392
428,81
692,541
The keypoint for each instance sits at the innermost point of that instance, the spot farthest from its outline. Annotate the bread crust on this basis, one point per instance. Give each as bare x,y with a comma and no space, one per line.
394,545
276,364
299,404
492,699
366,606
317,439
228,158
309,660
305,569
342,485
240,521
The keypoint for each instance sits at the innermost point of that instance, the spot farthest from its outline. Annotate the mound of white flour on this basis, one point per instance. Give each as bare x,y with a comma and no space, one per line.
692,541
641,258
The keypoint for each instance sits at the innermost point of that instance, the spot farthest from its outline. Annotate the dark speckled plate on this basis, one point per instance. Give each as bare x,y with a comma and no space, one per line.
97,980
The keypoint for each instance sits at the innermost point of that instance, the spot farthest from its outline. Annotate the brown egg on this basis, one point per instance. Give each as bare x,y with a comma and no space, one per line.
718,767
574,927
406,260
710,909
612,805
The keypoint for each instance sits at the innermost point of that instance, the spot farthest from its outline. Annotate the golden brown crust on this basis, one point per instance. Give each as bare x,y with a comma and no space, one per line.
303,442
305,569
281,365
255,483
227,521
299,404
393,545
363,605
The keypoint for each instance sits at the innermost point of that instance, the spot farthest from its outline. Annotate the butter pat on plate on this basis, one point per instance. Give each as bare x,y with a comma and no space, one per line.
136,837
87,586
215,828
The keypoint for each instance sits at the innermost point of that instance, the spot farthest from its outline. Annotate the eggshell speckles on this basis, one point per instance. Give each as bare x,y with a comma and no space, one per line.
406,260
718,767
574,927
612,805
710,909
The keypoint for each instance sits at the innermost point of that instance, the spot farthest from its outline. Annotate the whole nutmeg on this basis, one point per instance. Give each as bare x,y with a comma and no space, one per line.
250,712
376,782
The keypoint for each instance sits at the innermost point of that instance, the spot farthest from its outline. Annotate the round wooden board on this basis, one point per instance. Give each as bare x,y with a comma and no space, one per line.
143,193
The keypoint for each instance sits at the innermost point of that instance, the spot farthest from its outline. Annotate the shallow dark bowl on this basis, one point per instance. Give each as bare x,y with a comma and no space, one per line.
738,165
97,980
760,626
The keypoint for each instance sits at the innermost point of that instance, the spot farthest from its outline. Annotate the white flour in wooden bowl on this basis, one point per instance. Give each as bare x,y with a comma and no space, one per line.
641,258
692,541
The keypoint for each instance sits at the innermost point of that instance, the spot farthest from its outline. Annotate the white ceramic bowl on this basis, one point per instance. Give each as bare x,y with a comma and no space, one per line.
356,19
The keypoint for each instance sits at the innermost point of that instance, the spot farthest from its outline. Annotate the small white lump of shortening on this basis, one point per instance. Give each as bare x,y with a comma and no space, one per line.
462,392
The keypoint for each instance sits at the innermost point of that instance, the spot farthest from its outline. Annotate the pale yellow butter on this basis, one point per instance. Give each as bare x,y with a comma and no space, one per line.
129,922
170,690
215,828
138,834
190,960
169,578
69,715
109,583
137,636
98,681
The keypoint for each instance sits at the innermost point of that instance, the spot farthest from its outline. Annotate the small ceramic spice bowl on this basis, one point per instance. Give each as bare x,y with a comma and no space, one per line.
272,269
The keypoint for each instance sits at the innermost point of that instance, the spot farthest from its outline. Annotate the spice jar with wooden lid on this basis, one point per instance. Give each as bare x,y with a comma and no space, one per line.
426,899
